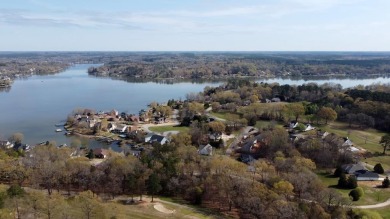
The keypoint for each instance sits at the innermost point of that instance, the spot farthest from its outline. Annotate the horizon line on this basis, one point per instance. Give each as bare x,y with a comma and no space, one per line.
195,51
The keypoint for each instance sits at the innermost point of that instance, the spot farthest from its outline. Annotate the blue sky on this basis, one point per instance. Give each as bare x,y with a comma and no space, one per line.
196,25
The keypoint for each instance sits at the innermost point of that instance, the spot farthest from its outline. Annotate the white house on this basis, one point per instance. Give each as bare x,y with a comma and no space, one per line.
92,122
6,144
111,126
293,125
308,127
120,128
347,143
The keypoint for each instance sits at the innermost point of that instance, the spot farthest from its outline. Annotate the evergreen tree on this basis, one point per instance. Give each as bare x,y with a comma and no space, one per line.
343,182
386,183
355,195
338,172
352,182
15,191
90,154
378,168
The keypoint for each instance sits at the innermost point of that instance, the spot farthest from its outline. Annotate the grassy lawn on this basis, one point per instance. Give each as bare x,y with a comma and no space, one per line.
192,210
169,128
371,195
384,160
222,115
367,139
266,123
146,211
330,181
384,212
143,210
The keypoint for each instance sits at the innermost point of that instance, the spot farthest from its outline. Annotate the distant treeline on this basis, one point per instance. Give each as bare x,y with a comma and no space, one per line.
226,65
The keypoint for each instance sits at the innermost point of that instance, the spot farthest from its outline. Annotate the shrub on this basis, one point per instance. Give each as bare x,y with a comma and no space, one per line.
378,168
300,127
343,182
352,182
195,194
386,183
15,191
252,121
360,191
338,171
354,194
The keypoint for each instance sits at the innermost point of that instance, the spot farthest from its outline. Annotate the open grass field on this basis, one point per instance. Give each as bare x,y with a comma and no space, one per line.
168,128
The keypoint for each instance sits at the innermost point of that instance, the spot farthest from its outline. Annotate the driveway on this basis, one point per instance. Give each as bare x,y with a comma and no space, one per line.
232,146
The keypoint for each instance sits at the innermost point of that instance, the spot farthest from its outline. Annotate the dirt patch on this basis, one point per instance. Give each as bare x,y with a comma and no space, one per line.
372,184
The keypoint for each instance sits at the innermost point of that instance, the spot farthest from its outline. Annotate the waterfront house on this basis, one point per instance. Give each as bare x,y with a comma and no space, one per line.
131,128
159,120
150,138
111,126
120,128
134,118
114,113
100,153
6,144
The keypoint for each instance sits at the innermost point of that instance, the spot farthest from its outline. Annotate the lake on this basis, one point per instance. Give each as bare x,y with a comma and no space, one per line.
34,105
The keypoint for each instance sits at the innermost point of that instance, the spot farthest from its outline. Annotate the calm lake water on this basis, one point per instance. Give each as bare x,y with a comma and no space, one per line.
34,105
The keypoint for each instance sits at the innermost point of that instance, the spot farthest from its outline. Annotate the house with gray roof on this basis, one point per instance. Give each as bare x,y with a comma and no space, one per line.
150,138
205,150
364,175
352,168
